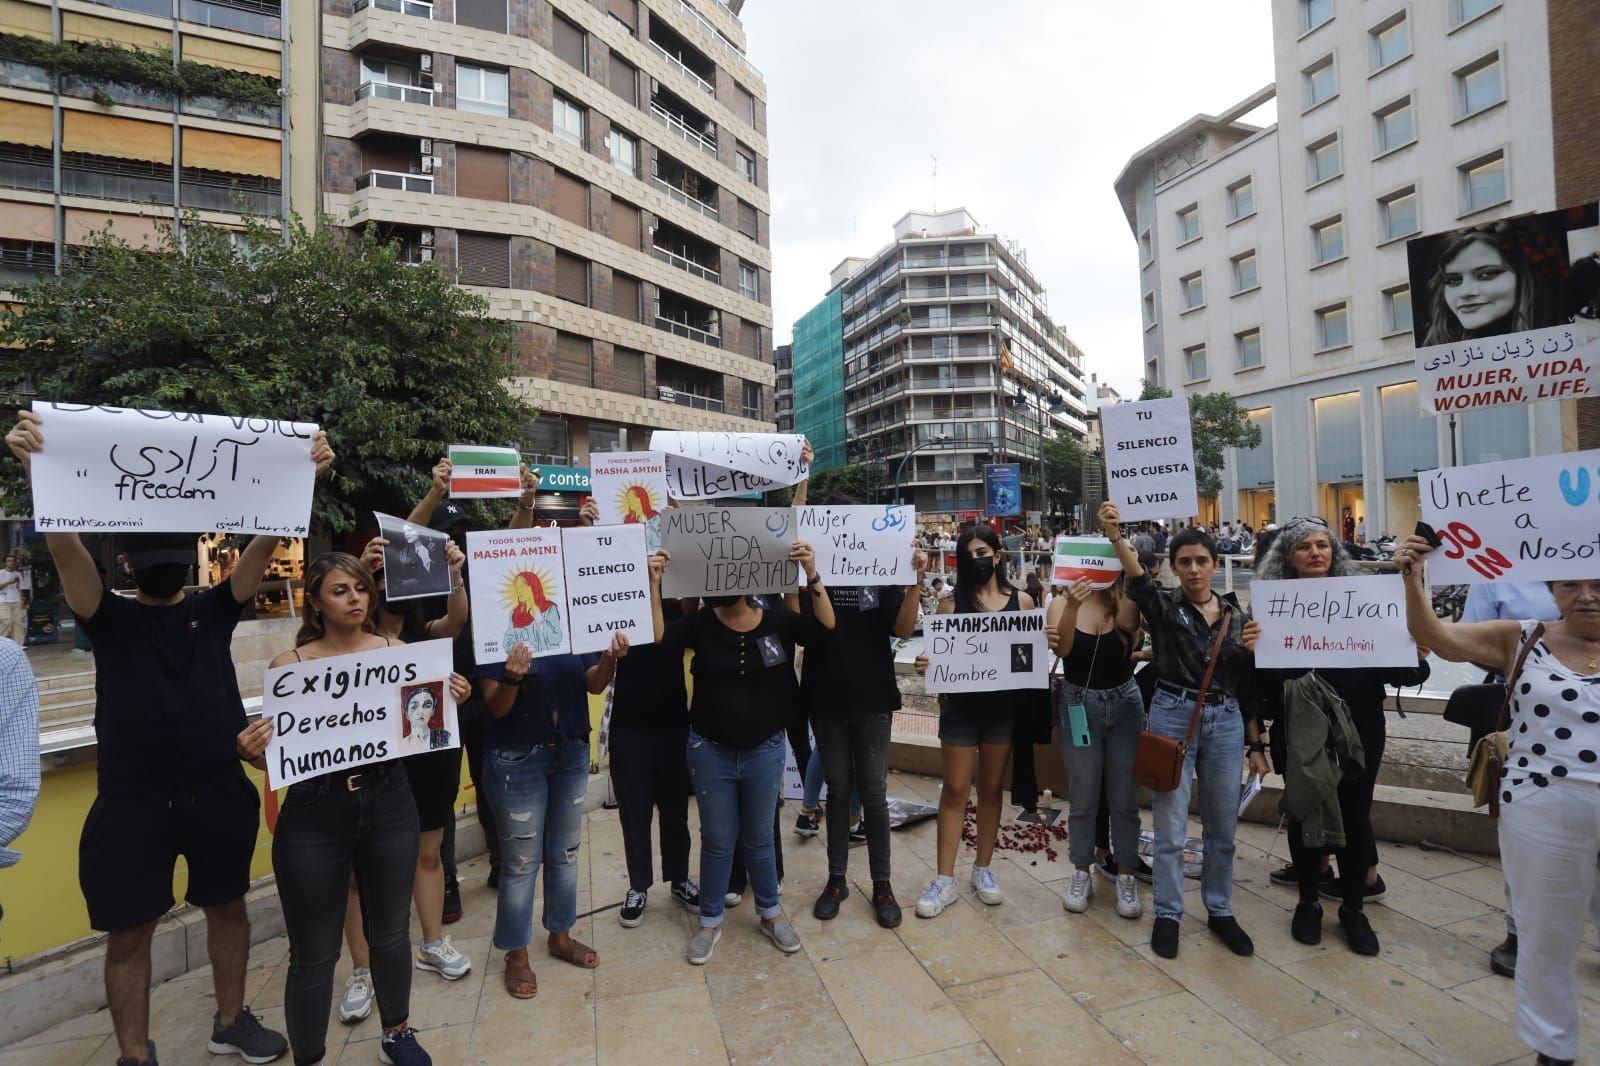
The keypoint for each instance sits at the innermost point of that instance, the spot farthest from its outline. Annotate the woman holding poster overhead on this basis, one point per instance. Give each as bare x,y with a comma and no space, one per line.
1549,787
1203,645
975,729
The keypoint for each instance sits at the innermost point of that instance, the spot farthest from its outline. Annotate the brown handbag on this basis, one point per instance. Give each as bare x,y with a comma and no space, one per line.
1159,760
1489,753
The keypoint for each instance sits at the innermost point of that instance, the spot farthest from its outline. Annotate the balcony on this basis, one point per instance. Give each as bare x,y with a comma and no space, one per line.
116,179
261,18
159,8
393,179
727,45
215,107
115,91
686,264
206,190
26,260
23,167
925,355
20,75
680,66
683,120
676,246
683,329
689,399
416,8
685,199
407,94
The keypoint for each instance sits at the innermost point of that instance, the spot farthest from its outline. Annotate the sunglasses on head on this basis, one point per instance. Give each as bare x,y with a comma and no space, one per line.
1313,520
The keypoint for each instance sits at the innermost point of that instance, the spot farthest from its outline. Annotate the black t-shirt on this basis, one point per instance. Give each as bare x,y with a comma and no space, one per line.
743,682
849,670
650,691
167,706
552,702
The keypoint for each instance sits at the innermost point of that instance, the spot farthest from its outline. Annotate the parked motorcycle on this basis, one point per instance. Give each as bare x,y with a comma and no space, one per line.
1449,601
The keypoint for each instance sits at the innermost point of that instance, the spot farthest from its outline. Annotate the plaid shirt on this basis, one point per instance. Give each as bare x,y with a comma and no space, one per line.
1181,639
19,747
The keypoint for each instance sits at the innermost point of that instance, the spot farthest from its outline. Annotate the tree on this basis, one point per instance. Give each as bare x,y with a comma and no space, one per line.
1217,422
325,326
860,481
1063,473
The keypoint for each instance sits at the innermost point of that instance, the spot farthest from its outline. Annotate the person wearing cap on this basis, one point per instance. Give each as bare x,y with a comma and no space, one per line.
170,783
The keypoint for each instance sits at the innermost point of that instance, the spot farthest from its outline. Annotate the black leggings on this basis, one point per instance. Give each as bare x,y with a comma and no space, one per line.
649,774
324,831
1355,808
855,757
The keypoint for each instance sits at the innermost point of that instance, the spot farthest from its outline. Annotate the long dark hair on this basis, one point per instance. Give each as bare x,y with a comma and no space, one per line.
311,626
966,596
1536,305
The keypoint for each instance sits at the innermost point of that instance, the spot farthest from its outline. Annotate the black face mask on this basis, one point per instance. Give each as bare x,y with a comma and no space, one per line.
975,571
161,581
719,601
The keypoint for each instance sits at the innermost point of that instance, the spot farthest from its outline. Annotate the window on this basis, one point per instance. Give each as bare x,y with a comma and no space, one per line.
1324,160
572,199
1241,199
1314,13
750,339
1333,327
574,359
569,43
1146,252
745,103
604,438
625,12
1396,126
1193,289
1483,182
1410,442
483,259
1479,86
1244,272
749,281
482,14
625,228
1397,310
624,80
625,297
752,399
627,369
1194,363
1391,40
480,89
1467,10
624,148
567,119
1397,213
1189,224
1327,240
572,278
747,163
1149,309
1321,82
748,220
1248,345
482,173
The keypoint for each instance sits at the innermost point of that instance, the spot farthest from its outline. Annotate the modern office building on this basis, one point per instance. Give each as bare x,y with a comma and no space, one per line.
904,356
1272,259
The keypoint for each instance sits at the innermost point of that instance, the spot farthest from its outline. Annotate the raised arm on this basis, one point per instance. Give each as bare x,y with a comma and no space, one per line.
905,622
454,619
598,676
1494,642
1111,522
821,605
80,581
658,566
422,513
257,555
801,490
530,485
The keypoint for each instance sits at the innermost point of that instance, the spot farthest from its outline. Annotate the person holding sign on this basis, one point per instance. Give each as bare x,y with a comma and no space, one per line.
975,729
1549,787
167,712
1185,625
359,821
744,691
1305,548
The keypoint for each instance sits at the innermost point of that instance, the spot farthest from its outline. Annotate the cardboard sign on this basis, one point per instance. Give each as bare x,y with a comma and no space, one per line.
347,711
115,469
708,466
413,561
1149,459
986,652
1499,311
519,592
478,473
1332,621
1532,519
729,551
1090,558
859,546
630,488
608,583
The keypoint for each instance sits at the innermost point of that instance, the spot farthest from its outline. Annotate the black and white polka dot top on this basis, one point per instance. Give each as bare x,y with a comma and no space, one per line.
1554,725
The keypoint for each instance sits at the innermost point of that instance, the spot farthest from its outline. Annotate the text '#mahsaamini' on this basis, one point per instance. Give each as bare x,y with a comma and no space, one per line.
1005,622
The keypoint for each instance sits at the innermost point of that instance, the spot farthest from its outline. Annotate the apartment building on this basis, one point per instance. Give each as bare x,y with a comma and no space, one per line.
783,387
904,355
1272,259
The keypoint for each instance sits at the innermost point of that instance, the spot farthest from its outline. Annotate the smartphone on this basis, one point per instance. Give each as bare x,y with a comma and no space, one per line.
1078,723
1426,532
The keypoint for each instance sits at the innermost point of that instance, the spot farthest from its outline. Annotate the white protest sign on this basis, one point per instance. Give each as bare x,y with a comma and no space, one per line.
519,592
729,551
630,488
1532,519
608,585
707,466
858,546
346,711
1332,621
1091,558
105,469
1554,363
986,652
483,473
1149,458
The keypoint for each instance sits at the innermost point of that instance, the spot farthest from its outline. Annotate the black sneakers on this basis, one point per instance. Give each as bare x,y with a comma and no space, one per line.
1333,888
148,1060
1108,870
246,1037
1289,877
1306,925
884,904
858,833
1164,938
1358,932
452,903
1228,931
808,824
632,912
687,893
827,906
1503,959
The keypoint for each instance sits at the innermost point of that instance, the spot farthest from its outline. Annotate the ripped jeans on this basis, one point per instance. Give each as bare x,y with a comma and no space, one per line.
537,797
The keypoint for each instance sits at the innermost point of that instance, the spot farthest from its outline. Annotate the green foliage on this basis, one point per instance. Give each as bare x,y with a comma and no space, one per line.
1217,422
394,361
149,69
1063,473
863,482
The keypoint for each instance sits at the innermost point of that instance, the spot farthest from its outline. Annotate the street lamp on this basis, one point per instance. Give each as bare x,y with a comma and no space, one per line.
901,469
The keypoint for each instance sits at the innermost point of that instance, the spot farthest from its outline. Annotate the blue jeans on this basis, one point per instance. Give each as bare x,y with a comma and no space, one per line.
1115,716
537,798
737,792
815,778
1216,754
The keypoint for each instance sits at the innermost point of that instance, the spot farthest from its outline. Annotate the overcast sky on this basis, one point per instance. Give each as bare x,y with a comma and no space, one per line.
1032,108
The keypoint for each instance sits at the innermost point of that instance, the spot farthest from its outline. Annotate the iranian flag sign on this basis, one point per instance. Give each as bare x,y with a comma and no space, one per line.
1090,558
484,473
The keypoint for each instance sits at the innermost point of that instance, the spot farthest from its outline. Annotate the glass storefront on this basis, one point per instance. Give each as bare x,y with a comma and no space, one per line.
1341,497
1410,445
1258,498
1494,435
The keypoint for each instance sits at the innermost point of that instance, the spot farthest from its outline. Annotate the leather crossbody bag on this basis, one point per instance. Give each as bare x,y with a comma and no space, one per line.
1489,753
1159,761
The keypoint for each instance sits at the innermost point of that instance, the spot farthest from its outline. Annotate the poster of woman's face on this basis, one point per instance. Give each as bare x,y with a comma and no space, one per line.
414,562
422,717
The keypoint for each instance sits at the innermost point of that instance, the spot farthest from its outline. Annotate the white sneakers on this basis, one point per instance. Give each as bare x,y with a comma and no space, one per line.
357,1002
1080,890
443,959
983,884
1128,905
940,893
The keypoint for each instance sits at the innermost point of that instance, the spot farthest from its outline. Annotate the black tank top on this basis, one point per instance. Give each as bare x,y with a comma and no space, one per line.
1098,662
998,701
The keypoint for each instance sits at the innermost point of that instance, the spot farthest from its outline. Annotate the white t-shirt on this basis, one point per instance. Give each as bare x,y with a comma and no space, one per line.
12,593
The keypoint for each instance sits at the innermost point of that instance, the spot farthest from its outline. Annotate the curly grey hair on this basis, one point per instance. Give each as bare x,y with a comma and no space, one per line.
1276,566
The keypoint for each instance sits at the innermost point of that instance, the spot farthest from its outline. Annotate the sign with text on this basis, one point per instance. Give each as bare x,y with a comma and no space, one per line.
479,473
630,488
729,551
1503,312
708,466
115,469
1091,558
986,652
608,582
519,592
859,546
1332,621
1149,458
346,711
1522,520
1002,490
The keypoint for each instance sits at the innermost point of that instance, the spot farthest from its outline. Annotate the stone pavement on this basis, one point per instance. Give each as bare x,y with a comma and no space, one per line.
1023,982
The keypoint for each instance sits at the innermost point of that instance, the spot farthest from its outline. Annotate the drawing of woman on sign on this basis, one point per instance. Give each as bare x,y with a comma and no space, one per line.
422,718
638,508
535,618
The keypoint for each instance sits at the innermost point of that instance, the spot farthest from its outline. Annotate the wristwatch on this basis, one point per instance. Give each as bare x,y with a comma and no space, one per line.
1256,747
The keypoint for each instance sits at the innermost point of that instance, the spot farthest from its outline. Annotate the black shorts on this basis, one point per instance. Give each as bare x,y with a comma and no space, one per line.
435,778
131,842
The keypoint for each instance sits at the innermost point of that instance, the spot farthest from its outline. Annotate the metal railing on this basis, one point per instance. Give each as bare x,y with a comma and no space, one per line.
393,179
386,90
685,199
675,123
684,68
686,264
699,403
683,329
728,46
262,20
418,8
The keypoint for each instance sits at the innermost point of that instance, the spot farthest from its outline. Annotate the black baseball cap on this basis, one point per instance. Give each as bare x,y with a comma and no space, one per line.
153,549
446,516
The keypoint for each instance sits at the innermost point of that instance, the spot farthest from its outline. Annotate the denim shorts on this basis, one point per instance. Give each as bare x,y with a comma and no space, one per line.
972,718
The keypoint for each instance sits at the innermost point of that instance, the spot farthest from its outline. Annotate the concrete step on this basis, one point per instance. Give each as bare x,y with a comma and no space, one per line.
66,711
58,695
68,679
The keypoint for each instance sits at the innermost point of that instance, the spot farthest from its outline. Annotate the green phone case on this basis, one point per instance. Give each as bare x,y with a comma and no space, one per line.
1078,721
